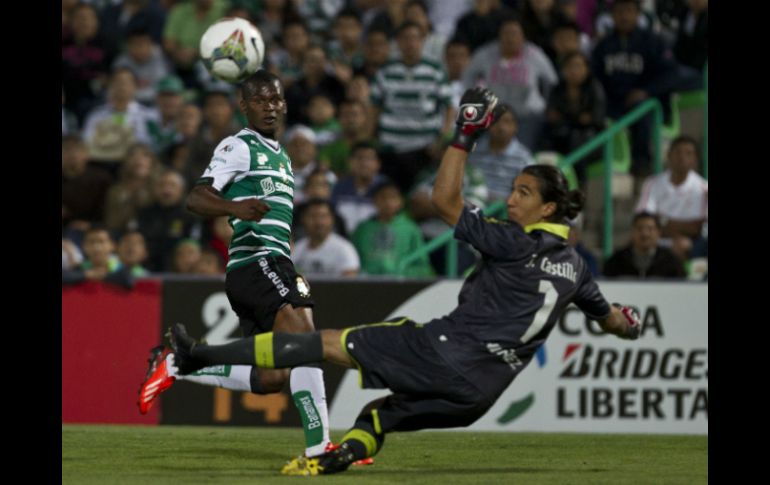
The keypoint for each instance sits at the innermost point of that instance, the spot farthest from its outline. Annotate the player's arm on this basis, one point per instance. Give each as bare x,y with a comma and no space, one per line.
205,201
622,321
231,158
476,114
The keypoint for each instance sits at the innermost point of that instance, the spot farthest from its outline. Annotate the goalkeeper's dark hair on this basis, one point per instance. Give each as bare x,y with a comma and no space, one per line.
553,187
251,84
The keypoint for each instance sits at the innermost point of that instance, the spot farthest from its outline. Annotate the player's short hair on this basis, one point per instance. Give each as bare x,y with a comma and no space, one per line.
252,83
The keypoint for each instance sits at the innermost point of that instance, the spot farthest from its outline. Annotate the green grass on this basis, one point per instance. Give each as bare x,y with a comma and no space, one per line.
226,455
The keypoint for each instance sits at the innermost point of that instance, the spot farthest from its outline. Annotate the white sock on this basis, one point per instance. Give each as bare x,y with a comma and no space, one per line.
309,394
233,377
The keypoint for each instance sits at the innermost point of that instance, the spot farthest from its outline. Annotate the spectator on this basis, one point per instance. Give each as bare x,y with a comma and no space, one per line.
119,19
132,252
209,263
162,127
389,18
500,156
112,128
221,234
353,129
85,60
345,50
166,222
644,258
286,62
481,25
412,96
187,126
84,186
456,59
679,197
575,112
566,38
384,240
69,123
634,64
317,187
133,190
353,195
321,113
376,53
145,59
519,73
301,148
187,254
539,19
433,44
691,48
100,263
316,79
322,252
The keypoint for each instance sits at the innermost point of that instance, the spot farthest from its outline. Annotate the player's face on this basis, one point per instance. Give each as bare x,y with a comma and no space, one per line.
265,108
525,205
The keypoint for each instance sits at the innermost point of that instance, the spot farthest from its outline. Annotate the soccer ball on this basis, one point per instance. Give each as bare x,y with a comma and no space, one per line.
232,49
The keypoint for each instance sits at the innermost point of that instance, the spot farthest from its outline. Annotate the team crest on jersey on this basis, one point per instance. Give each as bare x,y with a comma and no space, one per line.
267,186
261,158
303,287
284,175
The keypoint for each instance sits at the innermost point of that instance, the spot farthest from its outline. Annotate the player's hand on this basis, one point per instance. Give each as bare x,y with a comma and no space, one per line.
250,209
633,322
478,109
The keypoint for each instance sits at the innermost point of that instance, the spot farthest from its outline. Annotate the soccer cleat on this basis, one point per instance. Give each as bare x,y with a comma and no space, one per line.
302,466
183,345
334,461
157,379
363,461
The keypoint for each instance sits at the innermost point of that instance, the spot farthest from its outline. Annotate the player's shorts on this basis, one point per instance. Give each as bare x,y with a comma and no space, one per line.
258,290
398,355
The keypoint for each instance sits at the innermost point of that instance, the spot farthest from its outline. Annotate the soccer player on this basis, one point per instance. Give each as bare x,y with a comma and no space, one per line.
448,372
250,180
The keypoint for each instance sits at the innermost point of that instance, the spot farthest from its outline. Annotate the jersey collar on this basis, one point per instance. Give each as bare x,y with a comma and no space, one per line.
560,230
269,143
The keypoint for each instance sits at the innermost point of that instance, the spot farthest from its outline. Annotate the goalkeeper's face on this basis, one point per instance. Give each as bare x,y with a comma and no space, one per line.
525,204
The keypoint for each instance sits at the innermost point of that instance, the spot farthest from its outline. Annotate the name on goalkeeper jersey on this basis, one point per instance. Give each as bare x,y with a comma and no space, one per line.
563,270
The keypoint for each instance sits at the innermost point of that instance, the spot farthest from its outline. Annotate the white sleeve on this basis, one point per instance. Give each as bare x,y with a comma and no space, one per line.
349,256
231,158
647,199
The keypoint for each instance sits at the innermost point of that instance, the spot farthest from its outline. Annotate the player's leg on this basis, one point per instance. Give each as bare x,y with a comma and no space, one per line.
306,382
397,412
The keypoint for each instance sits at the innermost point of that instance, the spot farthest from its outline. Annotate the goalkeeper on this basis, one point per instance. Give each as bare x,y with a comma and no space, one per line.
448,372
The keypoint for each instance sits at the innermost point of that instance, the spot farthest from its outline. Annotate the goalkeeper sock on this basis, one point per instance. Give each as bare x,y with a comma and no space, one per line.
266,350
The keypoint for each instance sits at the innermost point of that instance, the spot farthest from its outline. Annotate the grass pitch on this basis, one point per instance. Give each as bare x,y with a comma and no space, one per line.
227,455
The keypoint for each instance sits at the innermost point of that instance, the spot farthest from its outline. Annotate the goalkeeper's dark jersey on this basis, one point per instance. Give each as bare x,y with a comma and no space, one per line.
509,304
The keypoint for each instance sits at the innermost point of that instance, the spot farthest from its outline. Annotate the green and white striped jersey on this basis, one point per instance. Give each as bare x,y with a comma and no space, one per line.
250,166
412,100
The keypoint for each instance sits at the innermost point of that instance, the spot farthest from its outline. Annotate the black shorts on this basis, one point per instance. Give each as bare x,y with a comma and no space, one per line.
398,355
257,291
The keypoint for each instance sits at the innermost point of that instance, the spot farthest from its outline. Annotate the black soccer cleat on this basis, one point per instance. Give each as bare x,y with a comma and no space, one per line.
183,346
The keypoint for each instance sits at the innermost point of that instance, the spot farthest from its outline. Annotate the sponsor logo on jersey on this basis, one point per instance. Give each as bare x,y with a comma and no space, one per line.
261,158
227,148
284,188
267,186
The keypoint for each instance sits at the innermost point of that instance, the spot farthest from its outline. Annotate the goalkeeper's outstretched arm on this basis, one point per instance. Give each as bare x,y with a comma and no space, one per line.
476,114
